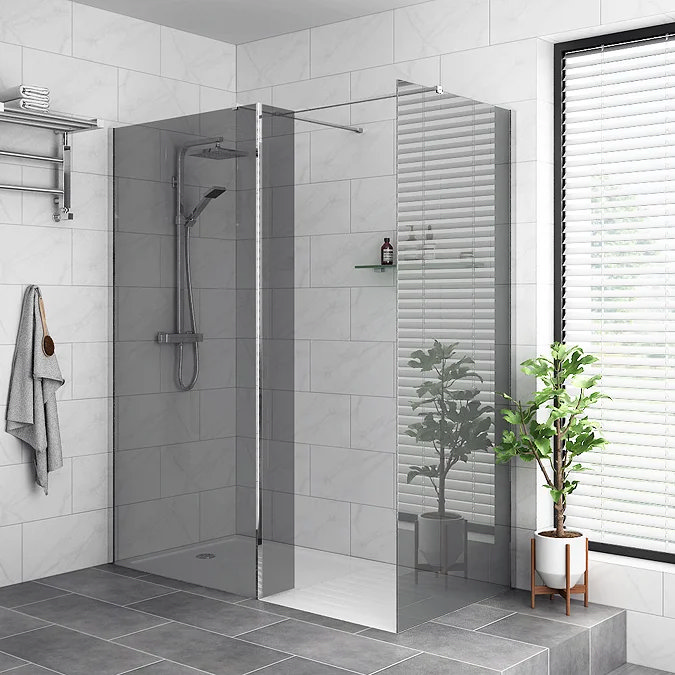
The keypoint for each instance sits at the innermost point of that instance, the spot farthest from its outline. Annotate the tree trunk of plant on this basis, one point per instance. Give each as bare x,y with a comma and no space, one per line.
559,478
441,482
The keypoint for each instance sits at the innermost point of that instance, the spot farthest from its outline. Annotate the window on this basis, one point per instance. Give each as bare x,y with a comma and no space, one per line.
615,247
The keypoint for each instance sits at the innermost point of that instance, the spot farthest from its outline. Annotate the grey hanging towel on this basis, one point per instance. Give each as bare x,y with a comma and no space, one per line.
31,407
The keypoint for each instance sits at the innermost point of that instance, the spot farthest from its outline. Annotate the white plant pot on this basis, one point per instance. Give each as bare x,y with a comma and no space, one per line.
551,561
433,531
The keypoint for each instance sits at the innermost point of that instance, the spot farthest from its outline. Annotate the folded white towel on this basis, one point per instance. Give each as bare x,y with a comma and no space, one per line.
31,406
27,104
25,91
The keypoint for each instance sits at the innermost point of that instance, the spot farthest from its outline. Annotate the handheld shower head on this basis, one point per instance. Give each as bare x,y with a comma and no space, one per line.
211,194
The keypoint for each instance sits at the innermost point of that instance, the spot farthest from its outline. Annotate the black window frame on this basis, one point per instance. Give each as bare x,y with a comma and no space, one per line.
560,49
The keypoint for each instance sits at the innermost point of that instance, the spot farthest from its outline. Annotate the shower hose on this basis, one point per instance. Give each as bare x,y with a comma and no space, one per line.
193,321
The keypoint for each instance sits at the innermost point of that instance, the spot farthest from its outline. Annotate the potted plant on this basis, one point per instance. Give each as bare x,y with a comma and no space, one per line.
455,424
553,429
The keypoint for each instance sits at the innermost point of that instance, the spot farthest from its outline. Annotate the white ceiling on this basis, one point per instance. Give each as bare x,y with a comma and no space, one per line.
238,21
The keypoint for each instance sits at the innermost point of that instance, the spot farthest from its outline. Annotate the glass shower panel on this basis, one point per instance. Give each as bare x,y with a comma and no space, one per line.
453,339
184,502
328,475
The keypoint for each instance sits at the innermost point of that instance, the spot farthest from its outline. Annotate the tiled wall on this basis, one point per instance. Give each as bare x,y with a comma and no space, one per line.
123,71
499,51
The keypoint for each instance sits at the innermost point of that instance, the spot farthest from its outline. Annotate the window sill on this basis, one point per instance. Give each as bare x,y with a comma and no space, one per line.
626,561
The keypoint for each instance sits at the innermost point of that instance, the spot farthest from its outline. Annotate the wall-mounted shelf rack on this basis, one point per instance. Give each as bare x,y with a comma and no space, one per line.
59,123
375,268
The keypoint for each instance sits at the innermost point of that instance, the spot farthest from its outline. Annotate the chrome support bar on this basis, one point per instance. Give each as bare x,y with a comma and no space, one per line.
437,89
179,338
346,127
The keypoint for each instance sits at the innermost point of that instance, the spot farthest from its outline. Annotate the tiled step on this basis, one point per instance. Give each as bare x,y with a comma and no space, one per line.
632,669
504,635
592,640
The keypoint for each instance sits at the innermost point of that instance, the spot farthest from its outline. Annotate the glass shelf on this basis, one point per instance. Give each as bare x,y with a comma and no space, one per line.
375,268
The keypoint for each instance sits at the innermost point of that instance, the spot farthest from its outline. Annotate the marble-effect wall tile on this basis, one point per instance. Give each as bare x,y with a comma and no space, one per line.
437,27
129,43
10,555
273,61
157,525
194,58
52,33
356,43
373,533
81,539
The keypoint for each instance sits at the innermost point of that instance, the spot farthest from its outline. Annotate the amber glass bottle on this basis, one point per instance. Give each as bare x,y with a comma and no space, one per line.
387,253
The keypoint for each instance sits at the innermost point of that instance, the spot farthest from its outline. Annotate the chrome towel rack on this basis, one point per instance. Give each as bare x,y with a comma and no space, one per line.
59,123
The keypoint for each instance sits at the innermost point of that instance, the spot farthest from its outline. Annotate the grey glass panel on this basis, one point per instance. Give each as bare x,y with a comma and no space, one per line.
453,337
185,475
328,472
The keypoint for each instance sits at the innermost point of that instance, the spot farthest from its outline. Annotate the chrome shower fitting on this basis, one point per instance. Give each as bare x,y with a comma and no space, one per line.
213,193
183,226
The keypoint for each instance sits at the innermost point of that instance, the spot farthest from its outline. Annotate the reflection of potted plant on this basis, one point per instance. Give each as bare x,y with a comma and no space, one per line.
555,443
455,424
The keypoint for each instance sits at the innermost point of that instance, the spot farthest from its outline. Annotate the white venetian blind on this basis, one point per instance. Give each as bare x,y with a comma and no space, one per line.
618,170
446,275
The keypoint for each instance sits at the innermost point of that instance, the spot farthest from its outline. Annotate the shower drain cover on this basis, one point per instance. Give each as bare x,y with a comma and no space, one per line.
205,556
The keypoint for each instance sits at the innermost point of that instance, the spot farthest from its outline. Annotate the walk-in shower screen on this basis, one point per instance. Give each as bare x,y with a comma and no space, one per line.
197,353
452,348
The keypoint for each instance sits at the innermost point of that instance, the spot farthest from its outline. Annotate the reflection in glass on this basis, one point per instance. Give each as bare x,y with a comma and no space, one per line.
452,350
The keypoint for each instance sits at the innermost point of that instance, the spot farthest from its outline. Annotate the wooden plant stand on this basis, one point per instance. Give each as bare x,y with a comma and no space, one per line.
566,592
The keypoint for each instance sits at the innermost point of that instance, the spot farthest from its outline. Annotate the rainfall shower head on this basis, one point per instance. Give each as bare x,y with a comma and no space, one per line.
212,193
218,152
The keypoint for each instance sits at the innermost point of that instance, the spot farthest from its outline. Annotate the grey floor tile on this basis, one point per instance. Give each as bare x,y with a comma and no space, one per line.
428,664
12,622
68,651
221,617
105,586
298,666
632,669
329,646
7,661
519,601
31,669
536,665
473,617
167,668
201,649
29,591
192,588
121,570
462,645
608,645
430,598
304,616
568,644
92,616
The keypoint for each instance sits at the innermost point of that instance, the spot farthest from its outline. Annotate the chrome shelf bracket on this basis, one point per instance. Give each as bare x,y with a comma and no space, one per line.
62,201
59,123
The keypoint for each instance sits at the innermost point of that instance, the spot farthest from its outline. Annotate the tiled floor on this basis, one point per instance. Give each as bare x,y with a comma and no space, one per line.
110,620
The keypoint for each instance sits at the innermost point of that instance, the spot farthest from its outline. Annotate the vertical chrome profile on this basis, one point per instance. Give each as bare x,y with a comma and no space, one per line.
258,348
